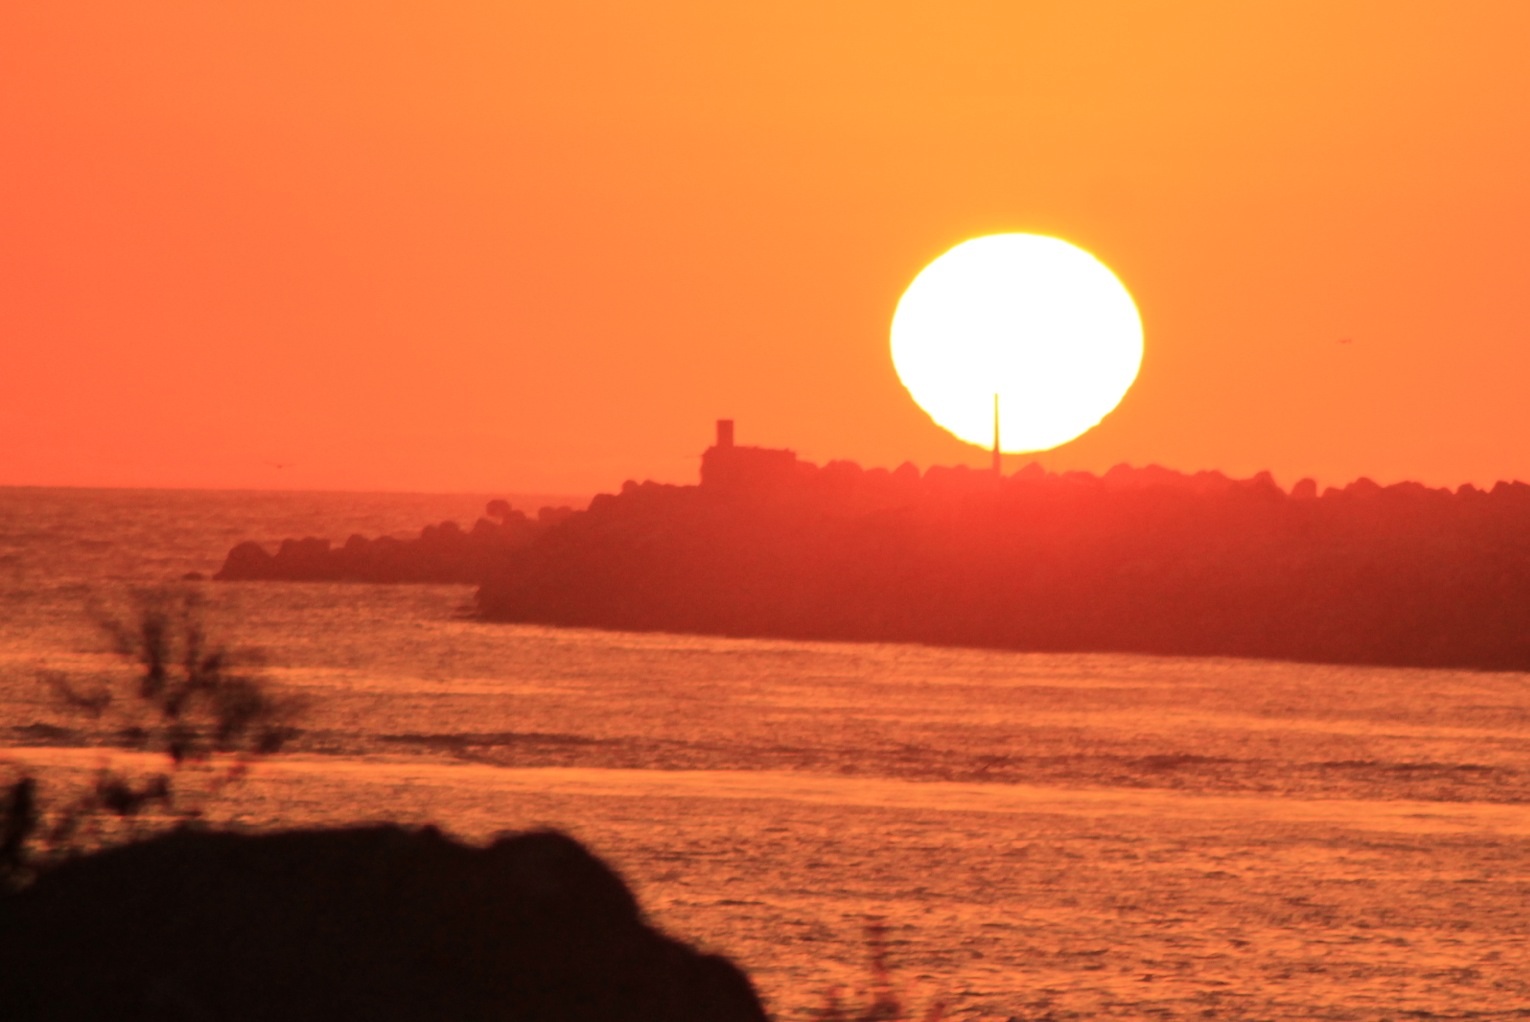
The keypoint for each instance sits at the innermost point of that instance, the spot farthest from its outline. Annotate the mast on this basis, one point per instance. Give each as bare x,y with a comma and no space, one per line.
998,469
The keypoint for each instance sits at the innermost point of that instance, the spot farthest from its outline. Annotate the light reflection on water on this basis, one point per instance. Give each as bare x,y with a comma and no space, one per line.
1091,836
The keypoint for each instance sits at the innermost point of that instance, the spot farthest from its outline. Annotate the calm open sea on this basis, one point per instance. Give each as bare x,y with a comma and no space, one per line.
1044,836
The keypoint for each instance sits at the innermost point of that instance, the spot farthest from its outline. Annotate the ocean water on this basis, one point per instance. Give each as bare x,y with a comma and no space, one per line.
1042,836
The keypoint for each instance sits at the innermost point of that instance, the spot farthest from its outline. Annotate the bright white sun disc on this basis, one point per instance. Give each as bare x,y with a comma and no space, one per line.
1041,323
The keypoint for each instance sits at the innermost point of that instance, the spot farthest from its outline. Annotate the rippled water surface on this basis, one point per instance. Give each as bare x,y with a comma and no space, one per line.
1044,836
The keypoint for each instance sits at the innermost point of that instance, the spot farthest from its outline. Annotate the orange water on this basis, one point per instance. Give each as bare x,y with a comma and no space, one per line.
1044,836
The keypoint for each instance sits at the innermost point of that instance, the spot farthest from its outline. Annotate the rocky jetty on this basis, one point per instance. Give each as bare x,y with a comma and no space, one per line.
377,923
442,553
1137,560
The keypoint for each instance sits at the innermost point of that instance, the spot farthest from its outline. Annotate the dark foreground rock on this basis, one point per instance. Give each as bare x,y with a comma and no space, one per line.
375,923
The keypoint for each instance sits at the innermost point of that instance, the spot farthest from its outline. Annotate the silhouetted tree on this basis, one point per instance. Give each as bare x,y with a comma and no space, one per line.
186,697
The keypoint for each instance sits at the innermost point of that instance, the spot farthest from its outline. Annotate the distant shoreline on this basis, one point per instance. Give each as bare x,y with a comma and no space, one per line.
1134,561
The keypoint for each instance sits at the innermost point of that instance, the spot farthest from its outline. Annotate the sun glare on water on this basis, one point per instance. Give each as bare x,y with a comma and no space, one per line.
1037,321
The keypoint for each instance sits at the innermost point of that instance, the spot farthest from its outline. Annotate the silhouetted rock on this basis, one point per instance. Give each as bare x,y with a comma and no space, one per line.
247,560
375,923
441,553
1138,560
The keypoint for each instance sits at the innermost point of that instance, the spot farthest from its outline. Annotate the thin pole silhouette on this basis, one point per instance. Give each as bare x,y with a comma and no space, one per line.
998,470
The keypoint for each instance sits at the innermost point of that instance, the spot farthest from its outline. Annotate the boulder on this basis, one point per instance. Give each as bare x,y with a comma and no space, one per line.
377,923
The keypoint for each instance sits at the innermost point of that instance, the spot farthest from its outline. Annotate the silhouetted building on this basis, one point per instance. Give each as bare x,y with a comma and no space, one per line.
725,465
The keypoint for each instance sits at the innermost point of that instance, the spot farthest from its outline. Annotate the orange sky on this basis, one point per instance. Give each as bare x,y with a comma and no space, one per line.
540,247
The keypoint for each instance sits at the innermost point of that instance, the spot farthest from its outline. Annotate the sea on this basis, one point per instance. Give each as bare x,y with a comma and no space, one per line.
1011,835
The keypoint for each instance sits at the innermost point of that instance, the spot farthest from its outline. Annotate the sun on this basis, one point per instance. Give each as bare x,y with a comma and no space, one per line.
1037,322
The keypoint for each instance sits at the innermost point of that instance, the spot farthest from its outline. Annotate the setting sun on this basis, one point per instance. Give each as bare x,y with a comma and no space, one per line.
1038,322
